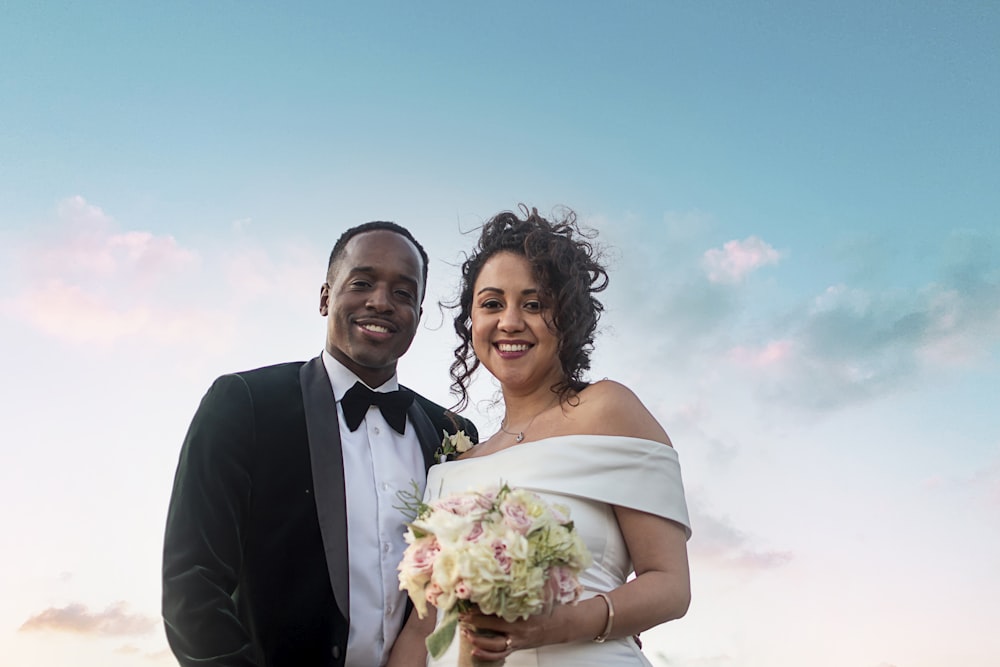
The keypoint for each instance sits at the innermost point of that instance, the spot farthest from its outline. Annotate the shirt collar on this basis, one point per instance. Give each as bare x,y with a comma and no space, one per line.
342,378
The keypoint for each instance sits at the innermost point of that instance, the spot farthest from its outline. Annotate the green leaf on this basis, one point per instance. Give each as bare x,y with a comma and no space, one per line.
439,640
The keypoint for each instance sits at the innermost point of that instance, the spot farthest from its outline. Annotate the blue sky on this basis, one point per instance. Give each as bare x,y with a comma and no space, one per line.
799,203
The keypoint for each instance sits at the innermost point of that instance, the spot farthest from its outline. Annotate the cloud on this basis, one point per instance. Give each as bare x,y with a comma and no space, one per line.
162,656
843,345
84,280
74,314
254,272
717,541
87,244
115,621
737,259
770,354
241,224
848,345
78,210
984,484
662,291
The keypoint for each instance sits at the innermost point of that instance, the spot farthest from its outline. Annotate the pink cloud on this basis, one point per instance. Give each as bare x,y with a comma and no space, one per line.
147,254
76,210
88,245
71,313
720,542
76,618
85,281
737,259
773,353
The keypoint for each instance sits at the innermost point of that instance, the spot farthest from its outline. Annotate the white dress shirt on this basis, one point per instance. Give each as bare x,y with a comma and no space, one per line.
378,463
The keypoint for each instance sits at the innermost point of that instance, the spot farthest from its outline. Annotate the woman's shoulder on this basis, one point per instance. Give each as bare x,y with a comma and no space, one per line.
608,407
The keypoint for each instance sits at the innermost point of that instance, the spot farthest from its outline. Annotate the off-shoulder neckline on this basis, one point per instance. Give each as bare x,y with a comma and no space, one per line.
577,436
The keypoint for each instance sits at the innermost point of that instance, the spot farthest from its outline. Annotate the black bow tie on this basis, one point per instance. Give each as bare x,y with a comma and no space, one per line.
393,405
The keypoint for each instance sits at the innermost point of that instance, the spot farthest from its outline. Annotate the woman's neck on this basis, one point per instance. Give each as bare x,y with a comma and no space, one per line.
520,410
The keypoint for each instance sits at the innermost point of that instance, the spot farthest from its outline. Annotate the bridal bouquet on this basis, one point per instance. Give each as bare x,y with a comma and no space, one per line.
502,550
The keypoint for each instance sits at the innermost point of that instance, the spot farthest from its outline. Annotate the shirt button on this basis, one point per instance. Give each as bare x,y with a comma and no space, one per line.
385,547
376,430
385,486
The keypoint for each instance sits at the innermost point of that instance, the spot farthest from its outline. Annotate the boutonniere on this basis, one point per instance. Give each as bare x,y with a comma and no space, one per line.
452,445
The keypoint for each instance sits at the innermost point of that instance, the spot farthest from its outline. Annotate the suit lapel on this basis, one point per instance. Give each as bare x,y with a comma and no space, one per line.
430,439
328,475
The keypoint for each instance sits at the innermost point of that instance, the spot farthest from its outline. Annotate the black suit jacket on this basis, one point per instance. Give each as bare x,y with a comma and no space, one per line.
255,568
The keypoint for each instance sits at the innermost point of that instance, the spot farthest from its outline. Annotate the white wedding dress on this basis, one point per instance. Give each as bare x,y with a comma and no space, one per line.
588,474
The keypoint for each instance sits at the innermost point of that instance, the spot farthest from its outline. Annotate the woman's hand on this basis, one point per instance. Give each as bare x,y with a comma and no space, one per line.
495,638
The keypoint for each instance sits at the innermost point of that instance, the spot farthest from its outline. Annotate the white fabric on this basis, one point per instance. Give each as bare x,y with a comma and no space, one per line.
378,462
588,474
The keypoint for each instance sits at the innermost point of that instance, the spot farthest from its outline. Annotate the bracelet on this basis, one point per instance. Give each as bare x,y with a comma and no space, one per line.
601,638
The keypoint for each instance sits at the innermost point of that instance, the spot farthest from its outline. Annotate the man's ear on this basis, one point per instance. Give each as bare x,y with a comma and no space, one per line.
324,299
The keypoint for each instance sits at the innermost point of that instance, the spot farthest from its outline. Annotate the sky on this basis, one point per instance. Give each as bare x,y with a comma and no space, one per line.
798,203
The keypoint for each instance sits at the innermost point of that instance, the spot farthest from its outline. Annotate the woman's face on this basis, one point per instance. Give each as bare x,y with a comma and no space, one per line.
511,331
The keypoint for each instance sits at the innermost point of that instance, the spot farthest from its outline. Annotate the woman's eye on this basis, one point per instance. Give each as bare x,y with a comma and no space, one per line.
533,306
491,304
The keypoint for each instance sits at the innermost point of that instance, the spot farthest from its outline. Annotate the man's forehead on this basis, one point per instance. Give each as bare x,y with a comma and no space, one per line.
374,256
373,240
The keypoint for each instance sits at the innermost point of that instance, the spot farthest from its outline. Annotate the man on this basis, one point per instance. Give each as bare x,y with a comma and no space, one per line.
283,532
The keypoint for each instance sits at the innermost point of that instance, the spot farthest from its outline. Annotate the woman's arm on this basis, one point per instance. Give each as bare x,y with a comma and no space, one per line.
409,650
660,592
661,589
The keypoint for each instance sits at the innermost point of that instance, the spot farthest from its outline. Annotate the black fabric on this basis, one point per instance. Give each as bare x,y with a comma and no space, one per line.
255,547
393,405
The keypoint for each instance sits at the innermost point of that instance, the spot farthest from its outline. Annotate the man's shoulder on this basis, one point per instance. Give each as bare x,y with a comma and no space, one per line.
286,368
429,406
275,374
444,418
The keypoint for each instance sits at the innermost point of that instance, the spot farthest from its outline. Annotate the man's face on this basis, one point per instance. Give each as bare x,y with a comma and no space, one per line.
372,304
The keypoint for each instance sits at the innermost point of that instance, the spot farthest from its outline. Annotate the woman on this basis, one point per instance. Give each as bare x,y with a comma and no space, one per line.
528,314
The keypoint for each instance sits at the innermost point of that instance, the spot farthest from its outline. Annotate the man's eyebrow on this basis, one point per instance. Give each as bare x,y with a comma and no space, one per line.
374,270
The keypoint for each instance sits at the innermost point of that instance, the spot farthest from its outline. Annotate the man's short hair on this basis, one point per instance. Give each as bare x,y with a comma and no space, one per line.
375,225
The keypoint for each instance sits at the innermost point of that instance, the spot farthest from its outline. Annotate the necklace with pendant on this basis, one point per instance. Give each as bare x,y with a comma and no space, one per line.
519,436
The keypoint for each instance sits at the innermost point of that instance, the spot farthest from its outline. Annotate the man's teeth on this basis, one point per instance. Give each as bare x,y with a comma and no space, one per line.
375,328
512,347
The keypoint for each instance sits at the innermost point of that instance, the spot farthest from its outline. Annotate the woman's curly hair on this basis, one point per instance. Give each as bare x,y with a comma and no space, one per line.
566,265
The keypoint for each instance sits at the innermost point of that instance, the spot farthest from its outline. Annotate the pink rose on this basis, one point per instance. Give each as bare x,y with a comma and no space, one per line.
459,505
502,557
422,558
562,585
432,593
560,514
516,516
463,505
475,533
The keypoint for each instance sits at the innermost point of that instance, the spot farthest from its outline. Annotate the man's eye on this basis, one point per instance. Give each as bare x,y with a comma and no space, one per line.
360,283
405,294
